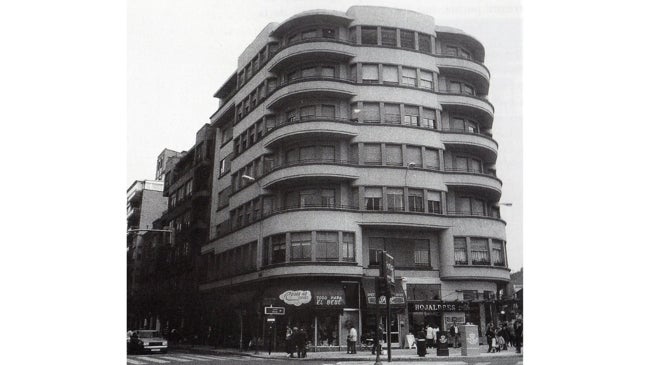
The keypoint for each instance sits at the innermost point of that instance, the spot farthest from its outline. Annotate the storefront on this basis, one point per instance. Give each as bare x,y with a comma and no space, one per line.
442,314
324,309
397,326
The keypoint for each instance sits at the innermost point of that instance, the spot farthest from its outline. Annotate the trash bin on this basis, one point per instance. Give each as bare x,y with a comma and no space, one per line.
442,340
421,346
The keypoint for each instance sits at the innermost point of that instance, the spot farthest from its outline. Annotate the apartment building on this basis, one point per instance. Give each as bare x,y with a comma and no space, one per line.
339,135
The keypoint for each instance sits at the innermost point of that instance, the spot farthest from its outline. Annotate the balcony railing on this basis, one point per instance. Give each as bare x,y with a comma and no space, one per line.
307,118
488,172
466,131
312,78
333,161
470,213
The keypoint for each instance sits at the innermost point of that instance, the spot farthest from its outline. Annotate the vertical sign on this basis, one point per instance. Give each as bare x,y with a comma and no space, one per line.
388,267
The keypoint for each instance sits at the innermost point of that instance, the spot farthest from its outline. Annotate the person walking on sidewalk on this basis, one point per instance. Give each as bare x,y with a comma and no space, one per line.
288,341
489,335
519,335
455,334
353,340
301,342
429,337
421,343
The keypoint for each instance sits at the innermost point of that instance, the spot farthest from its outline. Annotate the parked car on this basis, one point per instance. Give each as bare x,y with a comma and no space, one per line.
140,341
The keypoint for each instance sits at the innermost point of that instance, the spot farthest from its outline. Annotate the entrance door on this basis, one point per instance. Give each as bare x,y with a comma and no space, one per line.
394,330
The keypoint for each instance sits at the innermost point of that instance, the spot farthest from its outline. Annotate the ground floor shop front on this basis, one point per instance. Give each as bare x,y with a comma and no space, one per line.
325,309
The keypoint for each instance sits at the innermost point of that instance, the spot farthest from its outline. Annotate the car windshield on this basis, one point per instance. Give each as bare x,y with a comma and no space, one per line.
148,334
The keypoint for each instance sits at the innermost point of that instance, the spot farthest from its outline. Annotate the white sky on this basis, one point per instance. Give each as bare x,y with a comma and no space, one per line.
180,52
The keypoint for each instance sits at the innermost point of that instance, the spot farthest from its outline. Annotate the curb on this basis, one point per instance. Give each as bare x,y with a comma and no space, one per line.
383,358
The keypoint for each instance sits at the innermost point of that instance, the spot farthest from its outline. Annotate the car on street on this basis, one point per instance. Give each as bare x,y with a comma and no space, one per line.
146,341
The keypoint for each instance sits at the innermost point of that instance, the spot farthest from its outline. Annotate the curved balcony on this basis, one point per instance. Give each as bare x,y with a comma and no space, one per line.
306,87
483,106
477,79
472,143
315,126
454,35
476,180
312,50
306,171
459,63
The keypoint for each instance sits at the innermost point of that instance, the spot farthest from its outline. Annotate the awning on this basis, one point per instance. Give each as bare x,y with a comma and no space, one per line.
397,299
315,295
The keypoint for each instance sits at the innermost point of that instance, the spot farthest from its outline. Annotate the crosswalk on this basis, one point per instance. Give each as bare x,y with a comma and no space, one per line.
183,358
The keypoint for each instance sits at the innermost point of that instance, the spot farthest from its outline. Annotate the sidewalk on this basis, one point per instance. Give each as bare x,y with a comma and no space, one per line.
396,355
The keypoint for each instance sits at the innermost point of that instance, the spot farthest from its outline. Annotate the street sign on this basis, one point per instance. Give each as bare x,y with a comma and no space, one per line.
387,267
277,311
270,319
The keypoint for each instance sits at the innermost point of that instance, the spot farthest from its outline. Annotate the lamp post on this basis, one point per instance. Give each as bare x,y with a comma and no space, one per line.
260,244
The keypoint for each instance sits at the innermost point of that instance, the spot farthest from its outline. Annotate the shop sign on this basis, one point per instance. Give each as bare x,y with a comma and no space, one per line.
382,300
439,307
329,300
296,297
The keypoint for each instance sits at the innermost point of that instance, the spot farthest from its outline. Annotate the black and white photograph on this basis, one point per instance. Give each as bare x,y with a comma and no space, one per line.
324,180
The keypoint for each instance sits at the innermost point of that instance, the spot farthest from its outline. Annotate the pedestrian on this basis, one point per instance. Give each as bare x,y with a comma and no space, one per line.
300,340
429,336
519,335
504,335
489,335
353,340
436,329
455,334
511,333
288,342
421,343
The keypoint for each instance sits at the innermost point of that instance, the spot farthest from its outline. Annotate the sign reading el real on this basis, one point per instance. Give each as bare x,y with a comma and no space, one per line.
278,311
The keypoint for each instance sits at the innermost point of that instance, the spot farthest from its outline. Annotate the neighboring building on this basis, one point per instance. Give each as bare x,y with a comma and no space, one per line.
341,135
166,160
144,204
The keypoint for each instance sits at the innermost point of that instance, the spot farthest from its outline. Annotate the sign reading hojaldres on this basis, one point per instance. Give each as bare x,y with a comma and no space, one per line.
296,297
439,307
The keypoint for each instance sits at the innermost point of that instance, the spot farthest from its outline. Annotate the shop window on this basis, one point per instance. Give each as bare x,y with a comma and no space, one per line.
391,114
347,247
300,246
480,253
395,199
416,200
370,74
373,198
390,75
497,253
389,37
407,39
460,251
433,202
408,76
327,246
369,35
394,154
424,42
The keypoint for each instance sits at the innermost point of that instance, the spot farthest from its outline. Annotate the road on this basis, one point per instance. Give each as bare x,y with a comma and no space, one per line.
188,358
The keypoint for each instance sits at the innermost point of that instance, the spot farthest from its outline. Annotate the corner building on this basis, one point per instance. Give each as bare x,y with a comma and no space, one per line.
340,135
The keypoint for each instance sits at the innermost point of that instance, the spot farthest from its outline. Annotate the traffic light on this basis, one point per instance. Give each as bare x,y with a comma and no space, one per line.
381,287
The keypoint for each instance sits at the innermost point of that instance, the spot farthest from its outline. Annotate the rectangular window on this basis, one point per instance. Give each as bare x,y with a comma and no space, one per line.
475,165
423,291
408,76
460,251
463,206
347,248
468,89
416,200
454,87
478,207
421,253
369,35
371,113
312,33
394,154
278,248
224,165
309,72
433,202
391,114
307,112
327,71
376,245
472,127
328,111
327,153
480,253
373,153
226,133
407,38
300,246
414,155
450,51
431,159
426,80
424,42
389,74
373,198
428,118
293,38
307,153
461,163
327,198
497,253
470,295
352,33
389,37
370,74
224,197
395,199
271,84
308,198
464,54
327,246
411,115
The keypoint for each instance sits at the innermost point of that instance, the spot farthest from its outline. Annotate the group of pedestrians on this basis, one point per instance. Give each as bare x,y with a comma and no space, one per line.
505,334
296,341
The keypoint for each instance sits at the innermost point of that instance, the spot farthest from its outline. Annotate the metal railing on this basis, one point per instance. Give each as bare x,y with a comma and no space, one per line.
306,118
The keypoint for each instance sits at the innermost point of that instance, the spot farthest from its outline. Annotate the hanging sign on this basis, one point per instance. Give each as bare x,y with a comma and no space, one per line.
296,297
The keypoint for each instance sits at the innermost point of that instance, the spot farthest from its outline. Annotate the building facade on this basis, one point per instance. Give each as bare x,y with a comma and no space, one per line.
341,135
